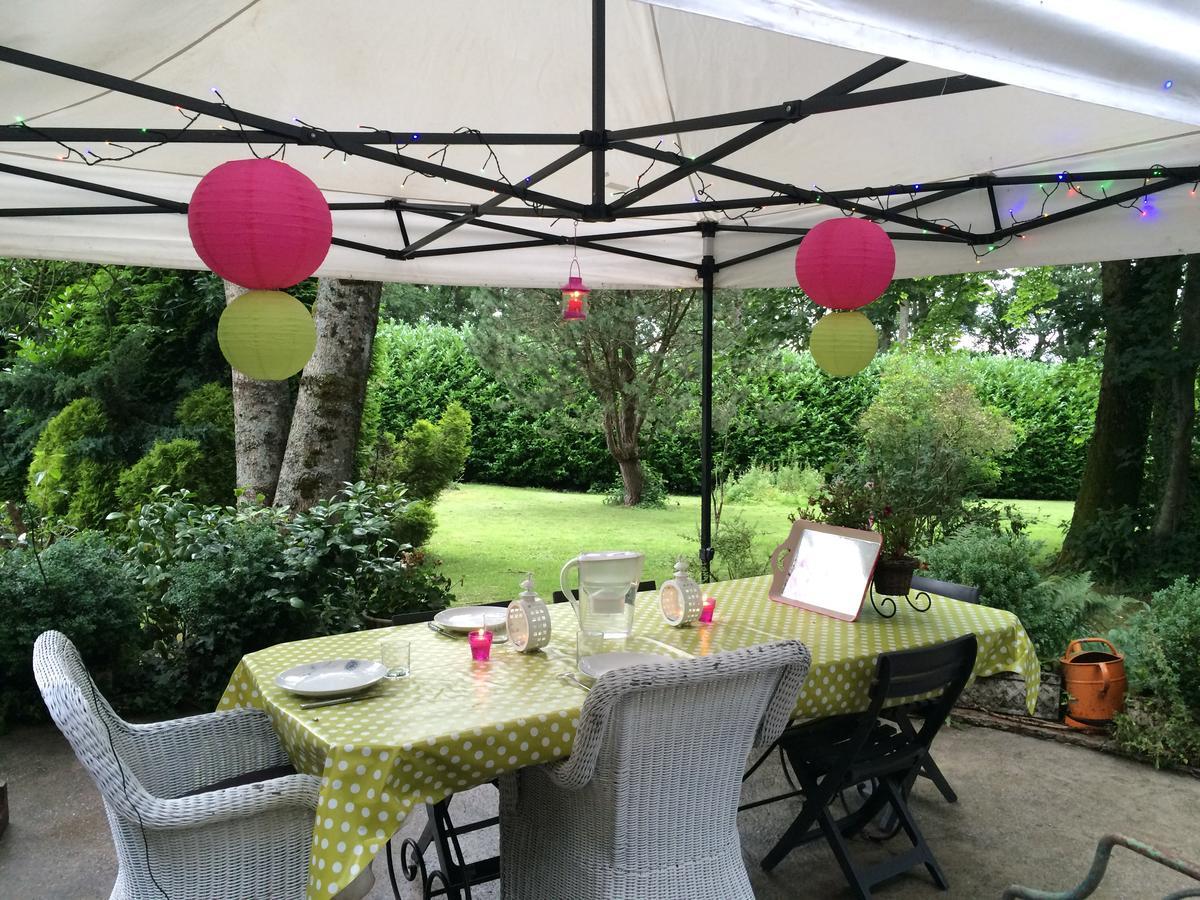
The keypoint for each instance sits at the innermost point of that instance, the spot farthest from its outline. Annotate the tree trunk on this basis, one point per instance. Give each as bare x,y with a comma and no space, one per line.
262,411
324,434
1139,302
1183,408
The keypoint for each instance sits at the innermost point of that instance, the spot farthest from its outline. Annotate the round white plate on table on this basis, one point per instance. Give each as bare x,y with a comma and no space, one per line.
596,665
331,677
465,619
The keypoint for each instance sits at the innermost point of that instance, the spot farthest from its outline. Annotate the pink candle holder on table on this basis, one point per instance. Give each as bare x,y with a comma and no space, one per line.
706,611
481,645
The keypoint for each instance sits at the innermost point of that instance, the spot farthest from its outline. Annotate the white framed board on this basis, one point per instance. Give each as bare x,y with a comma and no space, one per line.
825,568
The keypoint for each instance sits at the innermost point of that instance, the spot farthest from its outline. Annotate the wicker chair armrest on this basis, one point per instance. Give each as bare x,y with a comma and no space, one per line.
204,749
298,792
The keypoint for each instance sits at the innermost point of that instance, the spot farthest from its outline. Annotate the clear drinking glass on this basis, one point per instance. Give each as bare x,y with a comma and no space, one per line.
395,654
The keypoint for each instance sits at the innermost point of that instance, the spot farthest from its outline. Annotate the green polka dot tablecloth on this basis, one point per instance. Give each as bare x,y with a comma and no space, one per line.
454,724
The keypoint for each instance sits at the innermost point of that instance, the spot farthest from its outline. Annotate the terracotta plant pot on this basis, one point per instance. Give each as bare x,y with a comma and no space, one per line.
1095,683
893,575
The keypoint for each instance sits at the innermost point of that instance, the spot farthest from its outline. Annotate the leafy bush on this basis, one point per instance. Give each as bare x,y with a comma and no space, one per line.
415,524
431,457
1001,565
72,474
77,586
201,462
927,445
1067,607
654,490
1162,658
1162,644
219,605
788,482
176,464
733,546
1054,612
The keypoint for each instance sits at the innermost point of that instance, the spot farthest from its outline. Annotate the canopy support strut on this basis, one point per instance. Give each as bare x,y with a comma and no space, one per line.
708,269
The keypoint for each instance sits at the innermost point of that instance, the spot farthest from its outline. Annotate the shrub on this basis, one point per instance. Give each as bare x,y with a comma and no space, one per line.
654,490
342,561
430,457
927,445
77,586
1162,657
786,483
1001,565
71,474
415,524
1067,607
733,546
1054,611
219,606
176,464
201,462
1162,644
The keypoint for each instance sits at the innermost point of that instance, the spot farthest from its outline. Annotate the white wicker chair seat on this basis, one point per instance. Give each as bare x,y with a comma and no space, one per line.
646,805
251,841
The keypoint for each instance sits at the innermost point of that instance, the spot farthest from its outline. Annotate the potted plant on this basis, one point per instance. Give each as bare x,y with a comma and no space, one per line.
894,571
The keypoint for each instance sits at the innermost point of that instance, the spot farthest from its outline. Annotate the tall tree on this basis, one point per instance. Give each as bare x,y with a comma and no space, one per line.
262,413
1139,302
1182,386
623,363
324,432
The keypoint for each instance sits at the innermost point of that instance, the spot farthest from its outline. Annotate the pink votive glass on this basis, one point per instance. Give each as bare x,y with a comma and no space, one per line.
481,645
706,611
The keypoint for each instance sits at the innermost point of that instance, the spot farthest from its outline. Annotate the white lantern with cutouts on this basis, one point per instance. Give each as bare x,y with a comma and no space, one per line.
680,597
528,619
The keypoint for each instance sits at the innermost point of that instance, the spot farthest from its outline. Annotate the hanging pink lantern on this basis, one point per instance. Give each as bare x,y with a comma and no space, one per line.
574,295
845,263
260,224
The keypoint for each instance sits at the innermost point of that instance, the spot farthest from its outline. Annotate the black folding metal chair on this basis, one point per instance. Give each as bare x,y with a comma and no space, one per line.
967,593
831,755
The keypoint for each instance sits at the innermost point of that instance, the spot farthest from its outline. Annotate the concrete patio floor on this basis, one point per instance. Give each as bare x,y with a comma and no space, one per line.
1030,812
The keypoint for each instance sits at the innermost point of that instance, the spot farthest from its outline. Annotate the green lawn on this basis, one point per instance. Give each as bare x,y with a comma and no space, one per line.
488,536
1049,517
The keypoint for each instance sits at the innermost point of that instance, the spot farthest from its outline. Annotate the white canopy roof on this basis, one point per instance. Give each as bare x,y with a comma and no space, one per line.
1089,93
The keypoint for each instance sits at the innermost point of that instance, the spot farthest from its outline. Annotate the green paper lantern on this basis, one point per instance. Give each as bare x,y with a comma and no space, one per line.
267,335
843,343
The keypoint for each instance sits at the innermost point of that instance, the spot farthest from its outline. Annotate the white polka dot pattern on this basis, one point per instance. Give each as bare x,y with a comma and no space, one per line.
454,724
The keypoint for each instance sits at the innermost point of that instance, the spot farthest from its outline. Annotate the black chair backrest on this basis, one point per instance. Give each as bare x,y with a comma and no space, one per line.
967,593
426,615
560,597
942,669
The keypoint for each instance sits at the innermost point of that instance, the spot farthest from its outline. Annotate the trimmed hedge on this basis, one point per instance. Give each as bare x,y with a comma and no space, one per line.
789,411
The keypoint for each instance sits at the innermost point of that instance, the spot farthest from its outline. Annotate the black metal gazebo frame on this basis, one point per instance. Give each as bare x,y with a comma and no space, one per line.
387,146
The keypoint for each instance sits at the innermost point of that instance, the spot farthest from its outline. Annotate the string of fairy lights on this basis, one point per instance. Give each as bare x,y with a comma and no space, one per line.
701,188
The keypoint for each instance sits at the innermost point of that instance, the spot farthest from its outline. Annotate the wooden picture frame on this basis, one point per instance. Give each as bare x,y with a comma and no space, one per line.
838,564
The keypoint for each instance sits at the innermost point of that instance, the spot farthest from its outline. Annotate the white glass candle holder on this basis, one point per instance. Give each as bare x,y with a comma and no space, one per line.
680,598
528,619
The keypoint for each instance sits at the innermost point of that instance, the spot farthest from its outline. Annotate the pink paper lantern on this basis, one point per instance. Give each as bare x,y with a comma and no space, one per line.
260,223
845,263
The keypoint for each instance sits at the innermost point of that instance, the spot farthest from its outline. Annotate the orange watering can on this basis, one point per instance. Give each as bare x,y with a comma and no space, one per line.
1095,683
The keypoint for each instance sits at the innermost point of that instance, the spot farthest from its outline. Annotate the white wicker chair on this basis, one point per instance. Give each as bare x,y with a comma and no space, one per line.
646,805
251,841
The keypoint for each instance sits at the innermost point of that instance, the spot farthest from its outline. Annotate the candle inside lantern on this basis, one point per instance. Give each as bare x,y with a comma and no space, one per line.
706,612
481,645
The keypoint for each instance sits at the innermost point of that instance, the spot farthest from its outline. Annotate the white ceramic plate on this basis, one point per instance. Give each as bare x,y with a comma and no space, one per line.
471,618
331,677
596,665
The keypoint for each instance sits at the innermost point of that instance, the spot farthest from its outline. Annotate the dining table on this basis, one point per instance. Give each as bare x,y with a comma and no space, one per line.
455,723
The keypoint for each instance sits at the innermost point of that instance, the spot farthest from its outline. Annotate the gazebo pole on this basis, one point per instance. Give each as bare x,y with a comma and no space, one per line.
708,268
